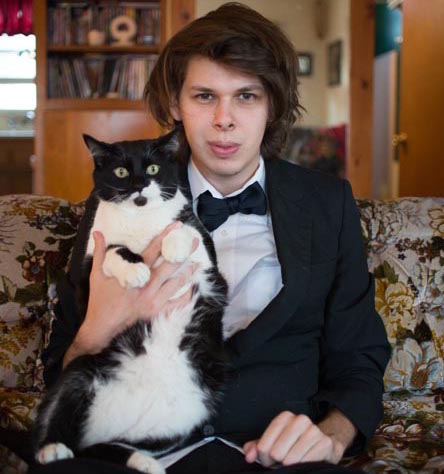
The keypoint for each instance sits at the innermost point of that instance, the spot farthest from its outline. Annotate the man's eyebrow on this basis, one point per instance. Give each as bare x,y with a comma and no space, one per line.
247,88
200,89
252,87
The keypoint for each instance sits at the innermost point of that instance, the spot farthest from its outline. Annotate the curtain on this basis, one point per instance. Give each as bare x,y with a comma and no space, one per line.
16,17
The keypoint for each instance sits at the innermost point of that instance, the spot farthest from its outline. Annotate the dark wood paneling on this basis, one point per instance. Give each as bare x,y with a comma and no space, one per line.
15,166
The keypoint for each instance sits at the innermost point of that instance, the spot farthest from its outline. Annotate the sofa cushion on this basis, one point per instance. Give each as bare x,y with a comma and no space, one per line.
410,437
405,245
404,240
36,236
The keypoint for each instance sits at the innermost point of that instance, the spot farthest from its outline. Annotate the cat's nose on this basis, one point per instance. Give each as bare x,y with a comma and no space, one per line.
140,201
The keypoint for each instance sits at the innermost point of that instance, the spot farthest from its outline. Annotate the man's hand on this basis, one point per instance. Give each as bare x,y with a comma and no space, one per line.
291,439
112,308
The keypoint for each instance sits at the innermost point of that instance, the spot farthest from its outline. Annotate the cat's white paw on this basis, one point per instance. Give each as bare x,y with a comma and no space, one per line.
177,245
134,275
143,462
53,452
129,275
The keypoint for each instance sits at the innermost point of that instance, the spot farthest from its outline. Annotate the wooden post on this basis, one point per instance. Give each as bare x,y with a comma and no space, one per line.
362,32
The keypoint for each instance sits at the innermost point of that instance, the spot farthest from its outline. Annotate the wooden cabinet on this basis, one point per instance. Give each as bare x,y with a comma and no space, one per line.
63,166
15,164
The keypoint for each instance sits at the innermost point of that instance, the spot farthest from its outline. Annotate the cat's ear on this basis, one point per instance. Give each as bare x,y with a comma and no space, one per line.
170,142
97,148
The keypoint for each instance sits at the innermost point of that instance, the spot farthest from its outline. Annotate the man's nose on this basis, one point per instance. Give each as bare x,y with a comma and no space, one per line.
223,116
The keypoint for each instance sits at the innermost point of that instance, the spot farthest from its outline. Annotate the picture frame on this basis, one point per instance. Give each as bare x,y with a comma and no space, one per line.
305,64
334,57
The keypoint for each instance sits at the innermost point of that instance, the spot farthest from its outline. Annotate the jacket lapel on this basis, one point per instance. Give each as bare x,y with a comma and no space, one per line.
288,199
288,196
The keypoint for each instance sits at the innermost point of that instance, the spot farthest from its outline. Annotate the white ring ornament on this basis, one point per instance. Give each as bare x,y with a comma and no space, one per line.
123,29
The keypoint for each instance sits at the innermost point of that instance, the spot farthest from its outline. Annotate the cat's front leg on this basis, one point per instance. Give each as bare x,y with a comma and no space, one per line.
177,246
125,454
128,267
53,452
142,461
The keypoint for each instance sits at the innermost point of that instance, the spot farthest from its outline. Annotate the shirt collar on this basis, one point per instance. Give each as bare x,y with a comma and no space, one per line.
198,184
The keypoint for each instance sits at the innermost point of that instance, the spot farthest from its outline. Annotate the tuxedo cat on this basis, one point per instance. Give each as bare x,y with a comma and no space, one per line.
157,381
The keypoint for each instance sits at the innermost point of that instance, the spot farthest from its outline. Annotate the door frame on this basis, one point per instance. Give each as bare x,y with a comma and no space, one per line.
359,156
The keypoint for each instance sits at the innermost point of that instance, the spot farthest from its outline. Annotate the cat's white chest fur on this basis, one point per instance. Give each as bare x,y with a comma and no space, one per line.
132,226
154,395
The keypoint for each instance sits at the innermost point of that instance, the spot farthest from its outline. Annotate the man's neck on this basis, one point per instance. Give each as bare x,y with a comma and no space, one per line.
229,184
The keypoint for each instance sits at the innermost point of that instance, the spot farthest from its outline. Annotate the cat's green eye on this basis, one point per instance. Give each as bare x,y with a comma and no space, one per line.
153,169
121,172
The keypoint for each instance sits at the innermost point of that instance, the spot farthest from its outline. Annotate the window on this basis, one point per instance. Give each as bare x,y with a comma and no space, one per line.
17,72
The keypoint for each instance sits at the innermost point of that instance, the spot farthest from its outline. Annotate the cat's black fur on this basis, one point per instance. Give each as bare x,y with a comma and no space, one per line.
63,415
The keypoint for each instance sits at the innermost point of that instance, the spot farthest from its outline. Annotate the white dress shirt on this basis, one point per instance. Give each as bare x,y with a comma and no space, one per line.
246,254
247,258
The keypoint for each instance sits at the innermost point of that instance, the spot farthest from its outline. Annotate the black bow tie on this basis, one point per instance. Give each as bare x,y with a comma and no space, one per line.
214,212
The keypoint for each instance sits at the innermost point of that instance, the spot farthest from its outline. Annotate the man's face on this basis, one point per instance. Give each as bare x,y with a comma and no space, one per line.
224,113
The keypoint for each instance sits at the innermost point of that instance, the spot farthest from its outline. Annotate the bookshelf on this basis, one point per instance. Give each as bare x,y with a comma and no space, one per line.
85,87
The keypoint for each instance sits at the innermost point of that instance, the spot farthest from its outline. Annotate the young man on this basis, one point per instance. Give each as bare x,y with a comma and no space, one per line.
307,350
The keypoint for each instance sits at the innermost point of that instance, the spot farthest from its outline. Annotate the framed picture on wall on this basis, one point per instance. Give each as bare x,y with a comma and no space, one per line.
305,64
334,56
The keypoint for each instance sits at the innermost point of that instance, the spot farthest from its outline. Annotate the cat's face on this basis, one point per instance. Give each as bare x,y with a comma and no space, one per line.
137,172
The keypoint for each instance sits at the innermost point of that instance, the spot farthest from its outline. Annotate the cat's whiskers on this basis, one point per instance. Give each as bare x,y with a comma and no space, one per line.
113,187
183,189
117,198
168,195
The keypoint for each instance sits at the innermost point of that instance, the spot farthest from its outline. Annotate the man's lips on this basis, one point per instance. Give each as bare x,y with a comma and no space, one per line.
223,149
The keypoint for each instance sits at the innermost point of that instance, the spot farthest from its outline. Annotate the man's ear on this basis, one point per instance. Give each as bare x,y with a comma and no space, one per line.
174,109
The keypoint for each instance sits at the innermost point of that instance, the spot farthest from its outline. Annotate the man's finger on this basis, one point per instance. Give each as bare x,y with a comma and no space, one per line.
157,305
309,447
265,459
99,251
195,244
172,285
152,252
273,430
250,451
162,273
294,437
179,302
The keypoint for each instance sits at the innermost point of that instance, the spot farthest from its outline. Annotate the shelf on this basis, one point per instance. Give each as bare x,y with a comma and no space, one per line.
94,104
62,163
125,3
105,49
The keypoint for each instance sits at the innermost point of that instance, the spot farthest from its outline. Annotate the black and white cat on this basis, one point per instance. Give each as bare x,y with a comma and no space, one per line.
157,381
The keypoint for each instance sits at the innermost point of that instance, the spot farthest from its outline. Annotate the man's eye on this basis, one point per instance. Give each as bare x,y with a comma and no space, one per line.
204,96
247,96
121,172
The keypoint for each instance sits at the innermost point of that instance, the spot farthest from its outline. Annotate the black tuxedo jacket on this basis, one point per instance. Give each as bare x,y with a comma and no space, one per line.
319,343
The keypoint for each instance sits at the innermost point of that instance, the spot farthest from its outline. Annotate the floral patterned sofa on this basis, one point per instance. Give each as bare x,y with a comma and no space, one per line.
405,243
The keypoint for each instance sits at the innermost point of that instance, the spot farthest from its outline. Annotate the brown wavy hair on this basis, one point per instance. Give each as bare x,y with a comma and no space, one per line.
239,37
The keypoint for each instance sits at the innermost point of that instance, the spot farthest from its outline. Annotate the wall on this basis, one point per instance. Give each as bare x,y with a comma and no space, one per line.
337,98
297,18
